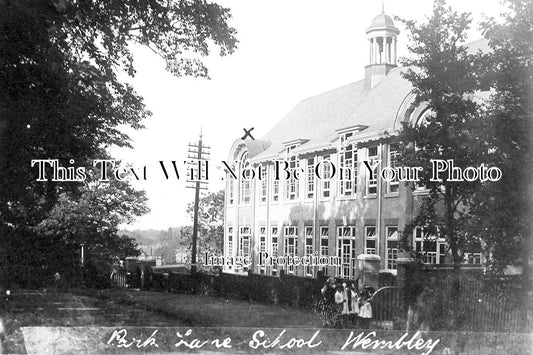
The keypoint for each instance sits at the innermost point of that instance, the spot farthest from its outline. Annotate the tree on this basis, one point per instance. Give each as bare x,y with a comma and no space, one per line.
501,213
444,77
210,222
91,219
171,241
60,61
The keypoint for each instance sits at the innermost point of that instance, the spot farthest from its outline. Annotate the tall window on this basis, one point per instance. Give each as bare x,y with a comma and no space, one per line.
325,173
229,247
245,180
309,248
229,250
244,246
394,185
274,238
348,165
370,239
392,247
262,246
324,231
431,248
292,186
231,190
291,245
310,187
346,252
264,182
372,184
275,186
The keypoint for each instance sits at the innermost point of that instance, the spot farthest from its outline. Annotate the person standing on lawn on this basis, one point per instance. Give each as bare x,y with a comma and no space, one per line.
340,301
354,312
347,306
57,280
327,305
365,308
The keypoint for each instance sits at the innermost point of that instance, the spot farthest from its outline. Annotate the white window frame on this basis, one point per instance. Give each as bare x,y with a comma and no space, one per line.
324,249
274,247
346,252
325,183
231,189
263,191
372,185
245,191
310,185
475,258
229,246
245,237
348,166
371,237
276,186
309,249
392,253
393,187
290,237
292,186
262,245
430,257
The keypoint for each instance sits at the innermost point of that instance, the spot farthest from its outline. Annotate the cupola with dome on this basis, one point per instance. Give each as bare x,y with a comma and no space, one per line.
382,38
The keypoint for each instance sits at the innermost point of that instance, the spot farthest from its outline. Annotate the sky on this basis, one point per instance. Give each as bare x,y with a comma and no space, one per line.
288,50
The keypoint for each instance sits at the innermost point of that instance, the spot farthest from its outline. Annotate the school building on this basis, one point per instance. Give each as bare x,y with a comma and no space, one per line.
349,214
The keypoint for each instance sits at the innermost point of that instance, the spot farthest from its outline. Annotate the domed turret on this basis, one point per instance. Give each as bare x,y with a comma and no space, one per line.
382,21
382,40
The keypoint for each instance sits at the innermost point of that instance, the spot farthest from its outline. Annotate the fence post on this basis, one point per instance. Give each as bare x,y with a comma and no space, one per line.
368,265
408,270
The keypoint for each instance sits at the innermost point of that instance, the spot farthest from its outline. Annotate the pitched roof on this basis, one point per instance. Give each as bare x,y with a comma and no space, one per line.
314,119
317,118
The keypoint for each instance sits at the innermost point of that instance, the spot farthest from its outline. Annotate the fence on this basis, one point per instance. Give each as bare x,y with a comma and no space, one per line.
473,307
469,305
118,278
285,289
388,307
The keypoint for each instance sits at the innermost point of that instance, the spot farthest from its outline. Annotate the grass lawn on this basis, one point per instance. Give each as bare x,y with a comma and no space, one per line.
208,311
126,307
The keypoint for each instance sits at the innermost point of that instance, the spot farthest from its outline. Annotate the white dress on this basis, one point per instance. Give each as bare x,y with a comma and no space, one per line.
339,298
355,303
366,310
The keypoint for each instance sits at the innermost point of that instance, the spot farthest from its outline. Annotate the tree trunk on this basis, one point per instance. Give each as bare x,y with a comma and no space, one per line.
450,226
452,240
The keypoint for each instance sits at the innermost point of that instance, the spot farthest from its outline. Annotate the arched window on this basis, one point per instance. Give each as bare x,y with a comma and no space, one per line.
422,120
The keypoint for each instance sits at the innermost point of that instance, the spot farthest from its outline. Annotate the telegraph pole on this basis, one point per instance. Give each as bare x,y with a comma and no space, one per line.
197,179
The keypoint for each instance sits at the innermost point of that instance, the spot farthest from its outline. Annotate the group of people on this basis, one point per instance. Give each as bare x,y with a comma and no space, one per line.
343,306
